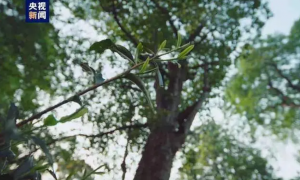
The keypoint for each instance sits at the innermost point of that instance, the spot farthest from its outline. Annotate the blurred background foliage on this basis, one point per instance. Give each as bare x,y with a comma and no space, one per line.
38,66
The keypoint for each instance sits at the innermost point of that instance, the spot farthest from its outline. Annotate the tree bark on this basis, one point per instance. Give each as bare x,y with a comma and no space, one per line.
170,133
158,155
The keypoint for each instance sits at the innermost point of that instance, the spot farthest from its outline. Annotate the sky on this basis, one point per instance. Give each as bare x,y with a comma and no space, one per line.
286,12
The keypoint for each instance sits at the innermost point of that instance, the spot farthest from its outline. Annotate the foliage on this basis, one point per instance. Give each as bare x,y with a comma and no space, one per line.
266,88
155,32
30,56
216,154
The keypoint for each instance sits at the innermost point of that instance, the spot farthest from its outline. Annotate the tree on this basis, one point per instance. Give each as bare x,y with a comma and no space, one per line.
24,49
216,154
266,88
216,29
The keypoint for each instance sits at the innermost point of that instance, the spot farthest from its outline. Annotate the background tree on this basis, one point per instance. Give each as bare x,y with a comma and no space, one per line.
218,155
266,88
215,28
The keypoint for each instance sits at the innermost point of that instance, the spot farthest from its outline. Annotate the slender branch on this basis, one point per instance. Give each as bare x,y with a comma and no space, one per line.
295,87
38,115
131,37
196,32
285,100
186,117
123,165
135,126
167,14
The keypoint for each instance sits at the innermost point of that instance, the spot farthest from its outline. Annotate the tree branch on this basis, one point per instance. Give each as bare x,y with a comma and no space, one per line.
127,33
291,85
286,101
186,117
196,32
38,115
167,14
123,165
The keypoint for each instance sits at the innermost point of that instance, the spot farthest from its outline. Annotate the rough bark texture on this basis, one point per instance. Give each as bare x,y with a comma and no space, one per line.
157,158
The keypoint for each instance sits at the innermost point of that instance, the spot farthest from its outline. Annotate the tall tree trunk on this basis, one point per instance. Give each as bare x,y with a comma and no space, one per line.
158,155
171,130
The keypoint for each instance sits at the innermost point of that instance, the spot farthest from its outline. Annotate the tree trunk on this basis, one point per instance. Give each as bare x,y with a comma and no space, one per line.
171,130
158,155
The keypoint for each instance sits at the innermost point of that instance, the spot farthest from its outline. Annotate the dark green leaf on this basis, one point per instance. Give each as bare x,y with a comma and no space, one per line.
85,67
160,79
185,52
144,67
52,174
98,78
77,100
138,51
50,120
141,85
101,46
123,52
80,112
44,148
24,168
13,113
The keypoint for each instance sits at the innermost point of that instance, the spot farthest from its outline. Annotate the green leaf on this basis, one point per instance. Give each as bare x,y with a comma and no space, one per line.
148,71
10,129
101,46
86,68
44,148
162,45
80,112
52,174
77,100
135,79
92,172
98,78
123,52
70,175
185,52
50,120
179,39
138,51
144,67
24,168
160,79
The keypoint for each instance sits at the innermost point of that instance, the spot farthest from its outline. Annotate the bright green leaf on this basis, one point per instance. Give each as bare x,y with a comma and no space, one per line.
92,172
50,120
179,39
144,67
75,115
138,51
162,45
185,52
